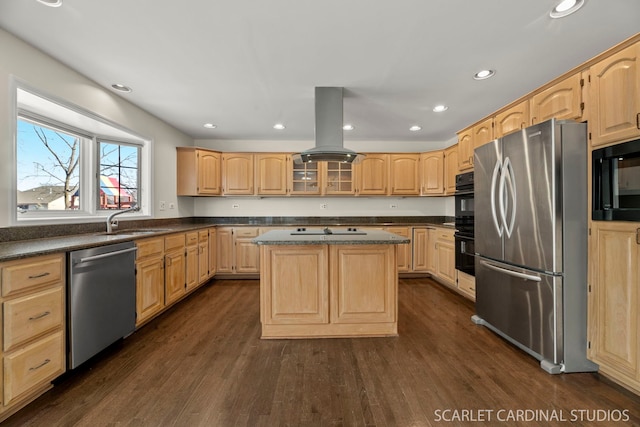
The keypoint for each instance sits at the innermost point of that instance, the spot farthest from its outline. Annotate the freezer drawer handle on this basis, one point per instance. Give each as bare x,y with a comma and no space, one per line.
107,255
511,272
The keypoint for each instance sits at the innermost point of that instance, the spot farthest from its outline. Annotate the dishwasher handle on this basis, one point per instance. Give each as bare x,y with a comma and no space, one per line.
107,255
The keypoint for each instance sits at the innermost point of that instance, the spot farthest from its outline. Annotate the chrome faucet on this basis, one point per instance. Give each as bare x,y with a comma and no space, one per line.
111,223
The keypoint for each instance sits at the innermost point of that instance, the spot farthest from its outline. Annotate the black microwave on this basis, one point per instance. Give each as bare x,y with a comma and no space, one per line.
616,182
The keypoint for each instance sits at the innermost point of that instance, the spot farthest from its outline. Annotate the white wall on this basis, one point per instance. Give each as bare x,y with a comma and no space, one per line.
336,206
43,73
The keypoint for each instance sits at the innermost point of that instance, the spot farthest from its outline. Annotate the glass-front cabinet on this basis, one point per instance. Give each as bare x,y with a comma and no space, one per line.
305,178
339,178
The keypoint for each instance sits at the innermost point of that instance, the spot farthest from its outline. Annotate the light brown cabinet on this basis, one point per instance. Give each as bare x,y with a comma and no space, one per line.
198,172
237,174
149,278
482,134
174,265
338,178
192,261
372,175
203,256
563,100
420,249
304,178
237,254
432,173
446,262
465,149
212,252
450,169
513,119
404,251
614,298
404,174
271,170
33,328
466,284
615,97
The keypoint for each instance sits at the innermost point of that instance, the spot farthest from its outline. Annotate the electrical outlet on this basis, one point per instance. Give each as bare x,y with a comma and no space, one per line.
163,205
172,205
393,206
235,206
323,206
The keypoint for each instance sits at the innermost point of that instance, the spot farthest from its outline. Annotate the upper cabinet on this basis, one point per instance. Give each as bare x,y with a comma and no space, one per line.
237,174
450,169
615,97
304,178
471,138
271,173
563,100
432,173
511,120
404,172
339,178
372,175
198,172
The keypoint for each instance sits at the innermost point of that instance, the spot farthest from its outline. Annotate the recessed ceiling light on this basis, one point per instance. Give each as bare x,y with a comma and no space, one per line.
209,125
278,126
484,74
51,3
440,108
121,88
348,127
415,128
566,7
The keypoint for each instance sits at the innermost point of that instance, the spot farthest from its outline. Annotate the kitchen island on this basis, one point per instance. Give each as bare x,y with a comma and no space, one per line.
320,283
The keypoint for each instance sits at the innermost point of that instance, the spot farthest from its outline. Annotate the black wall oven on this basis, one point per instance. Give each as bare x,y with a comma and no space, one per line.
464,243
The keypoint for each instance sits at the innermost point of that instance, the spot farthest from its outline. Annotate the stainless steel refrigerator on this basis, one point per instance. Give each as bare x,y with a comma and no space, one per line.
531,242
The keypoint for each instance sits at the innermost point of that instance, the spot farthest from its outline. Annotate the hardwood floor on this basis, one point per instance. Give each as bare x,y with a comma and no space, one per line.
202,363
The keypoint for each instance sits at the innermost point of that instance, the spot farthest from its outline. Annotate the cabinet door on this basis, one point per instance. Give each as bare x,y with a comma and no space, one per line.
149,288
271,173
446,262
482,134
213,255
174,263
465,149
466,284
304,178
208,172
420,244
191,267
511,120
561,101
432,173
404,251
450,169
615,97
338,178
372,175
363,283
247,256
294,285
404,174
237,173
432,252
224,250
614,298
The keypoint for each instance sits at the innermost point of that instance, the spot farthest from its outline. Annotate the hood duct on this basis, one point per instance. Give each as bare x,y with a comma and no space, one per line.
329,121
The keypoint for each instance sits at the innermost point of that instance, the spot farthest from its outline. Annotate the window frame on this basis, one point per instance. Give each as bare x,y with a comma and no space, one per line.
97,129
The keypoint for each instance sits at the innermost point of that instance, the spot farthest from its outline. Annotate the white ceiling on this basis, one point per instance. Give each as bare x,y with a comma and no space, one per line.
247,64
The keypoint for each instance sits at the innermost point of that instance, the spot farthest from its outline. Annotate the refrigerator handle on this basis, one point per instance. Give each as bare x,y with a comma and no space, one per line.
510,180
494,182
524,276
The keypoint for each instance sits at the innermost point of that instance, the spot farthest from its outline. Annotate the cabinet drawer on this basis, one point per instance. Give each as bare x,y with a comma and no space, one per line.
149,247
191,238
203,236
446,235
20,275
174,241
33,366
246,232
32,315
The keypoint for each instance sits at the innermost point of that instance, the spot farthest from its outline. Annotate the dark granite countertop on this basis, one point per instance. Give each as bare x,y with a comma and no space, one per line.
25,241
333,236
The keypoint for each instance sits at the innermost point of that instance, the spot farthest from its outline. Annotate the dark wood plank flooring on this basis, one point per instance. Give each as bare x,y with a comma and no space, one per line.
202,363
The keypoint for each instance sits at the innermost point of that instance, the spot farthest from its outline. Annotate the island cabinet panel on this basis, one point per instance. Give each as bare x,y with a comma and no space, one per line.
296,284
360,278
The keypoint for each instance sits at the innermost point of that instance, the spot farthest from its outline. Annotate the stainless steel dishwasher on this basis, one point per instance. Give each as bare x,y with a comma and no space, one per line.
102,299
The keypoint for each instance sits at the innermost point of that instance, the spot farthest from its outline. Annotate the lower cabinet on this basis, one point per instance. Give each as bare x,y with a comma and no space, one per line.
328,290
149,278
466,284
174,268
614,298
236,253
33,328
404,251
445,256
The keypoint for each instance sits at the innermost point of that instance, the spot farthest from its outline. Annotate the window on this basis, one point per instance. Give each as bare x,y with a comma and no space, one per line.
72,165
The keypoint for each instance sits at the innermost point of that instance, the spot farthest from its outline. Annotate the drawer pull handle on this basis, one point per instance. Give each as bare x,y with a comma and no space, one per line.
638,236
40,365
37,276
40,316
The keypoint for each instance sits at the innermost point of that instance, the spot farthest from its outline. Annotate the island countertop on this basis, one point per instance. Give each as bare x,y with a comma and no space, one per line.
329,236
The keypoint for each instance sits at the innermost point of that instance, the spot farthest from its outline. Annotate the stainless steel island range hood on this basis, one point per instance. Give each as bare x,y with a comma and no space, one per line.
329,140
